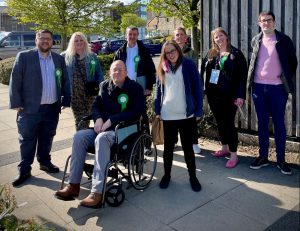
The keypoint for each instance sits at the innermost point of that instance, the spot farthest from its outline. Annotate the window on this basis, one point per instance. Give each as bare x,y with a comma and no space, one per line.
12,41
29,40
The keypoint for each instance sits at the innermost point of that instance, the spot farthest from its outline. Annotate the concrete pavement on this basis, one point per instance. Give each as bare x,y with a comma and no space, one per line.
236,199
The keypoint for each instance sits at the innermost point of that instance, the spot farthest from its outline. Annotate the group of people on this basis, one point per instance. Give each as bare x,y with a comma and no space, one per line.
43,82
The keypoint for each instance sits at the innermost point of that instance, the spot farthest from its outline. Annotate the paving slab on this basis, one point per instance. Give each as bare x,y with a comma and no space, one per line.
258,202
127,217
215,217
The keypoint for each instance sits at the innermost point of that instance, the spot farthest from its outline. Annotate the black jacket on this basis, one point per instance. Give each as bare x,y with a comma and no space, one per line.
232,80
146,66
107,106
287,57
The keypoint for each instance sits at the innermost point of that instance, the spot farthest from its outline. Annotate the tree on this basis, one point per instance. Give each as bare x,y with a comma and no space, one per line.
119,9
185,10
130,19
64,16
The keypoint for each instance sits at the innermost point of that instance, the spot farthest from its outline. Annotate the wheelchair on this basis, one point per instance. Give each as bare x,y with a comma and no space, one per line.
133,159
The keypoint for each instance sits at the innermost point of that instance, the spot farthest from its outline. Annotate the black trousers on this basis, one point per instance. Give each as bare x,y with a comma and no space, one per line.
171,128
224,110
194,131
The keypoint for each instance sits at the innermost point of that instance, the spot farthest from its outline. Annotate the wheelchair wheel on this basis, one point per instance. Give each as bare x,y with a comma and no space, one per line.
142,162
114,196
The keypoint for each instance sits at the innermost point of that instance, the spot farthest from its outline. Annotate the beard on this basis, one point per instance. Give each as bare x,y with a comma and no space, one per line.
268,31
44,50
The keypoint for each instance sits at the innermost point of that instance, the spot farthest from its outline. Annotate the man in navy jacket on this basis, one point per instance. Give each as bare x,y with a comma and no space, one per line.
39,87
120,99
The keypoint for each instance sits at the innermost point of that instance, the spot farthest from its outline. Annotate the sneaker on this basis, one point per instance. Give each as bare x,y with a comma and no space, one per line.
284,168
259,163
196,149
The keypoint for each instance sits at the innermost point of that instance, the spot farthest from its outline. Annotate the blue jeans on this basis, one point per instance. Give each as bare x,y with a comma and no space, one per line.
36,133
270,99
103,143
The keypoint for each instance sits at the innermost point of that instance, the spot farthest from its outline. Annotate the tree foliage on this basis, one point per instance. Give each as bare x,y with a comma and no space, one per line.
64,16
185,10
130,19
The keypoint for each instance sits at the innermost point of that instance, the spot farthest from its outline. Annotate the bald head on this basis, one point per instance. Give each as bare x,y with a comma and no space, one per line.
118,72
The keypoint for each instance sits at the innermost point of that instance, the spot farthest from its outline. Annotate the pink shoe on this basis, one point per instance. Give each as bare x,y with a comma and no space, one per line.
220,153
232,163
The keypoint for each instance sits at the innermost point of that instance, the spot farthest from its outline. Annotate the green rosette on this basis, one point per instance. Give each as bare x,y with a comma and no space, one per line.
136,62
58,74
92,67
123,100
222,61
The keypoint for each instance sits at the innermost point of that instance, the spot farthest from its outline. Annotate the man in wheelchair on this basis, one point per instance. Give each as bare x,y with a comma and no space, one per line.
120,99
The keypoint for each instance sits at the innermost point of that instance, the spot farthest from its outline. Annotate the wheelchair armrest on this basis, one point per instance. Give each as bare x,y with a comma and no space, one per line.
87,118
123,124
125,129
83,119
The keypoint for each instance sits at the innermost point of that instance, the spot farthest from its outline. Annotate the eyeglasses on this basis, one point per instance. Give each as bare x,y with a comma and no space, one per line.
170,52
44,39
267,20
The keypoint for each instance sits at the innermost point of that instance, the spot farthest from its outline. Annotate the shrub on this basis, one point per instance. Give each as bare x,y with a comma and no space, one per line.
9,221
105,62
6,66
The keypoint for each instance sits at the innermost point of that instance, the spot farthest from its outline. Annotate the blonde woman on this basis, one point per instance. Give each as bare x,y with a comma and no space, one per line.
85,75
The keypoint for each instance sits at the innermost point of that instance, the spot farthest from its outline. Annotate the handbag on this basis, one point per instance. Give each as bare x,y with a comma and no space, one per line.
157,131
91,88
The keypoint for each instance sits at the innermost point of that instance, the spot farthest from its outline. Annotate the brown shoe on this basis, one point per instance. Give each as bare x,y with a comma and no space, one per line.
68,192
94,200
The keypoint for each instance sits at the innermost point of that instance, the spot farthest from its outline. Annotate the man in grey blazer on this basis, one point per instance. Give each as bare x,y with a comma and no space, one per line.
39,87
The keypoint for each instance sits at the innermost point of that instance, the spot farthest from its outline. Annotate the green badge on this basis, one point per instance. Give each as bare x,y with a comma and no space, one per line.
58,74
92,67
136,60
123,100
222,61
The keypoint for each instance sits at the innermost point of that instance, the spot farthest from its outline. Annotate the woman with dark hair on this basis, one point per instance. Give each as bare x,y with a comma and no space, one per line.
178,102
225,86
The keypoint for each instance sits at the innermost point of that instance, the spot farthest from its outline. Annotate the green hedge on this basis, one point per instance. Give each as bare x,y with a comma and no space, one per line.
105,62
7,64
5,69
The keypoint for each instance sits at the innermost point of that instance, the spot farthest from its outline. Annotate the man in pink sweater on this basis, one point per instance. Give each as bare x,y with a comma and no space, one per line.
273,65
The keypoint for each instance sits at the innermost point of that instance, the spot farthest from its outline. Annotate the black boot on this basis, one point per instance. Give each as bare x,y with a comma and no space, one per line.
195,184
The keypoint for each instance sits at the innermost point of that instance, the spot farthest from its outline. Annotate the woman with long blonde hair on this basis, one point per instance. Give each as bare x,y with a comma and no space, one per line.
85,76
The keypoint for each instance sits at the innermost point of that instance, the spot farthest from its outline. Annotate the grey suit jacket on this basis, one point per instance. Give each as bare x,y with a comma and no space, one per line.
25,87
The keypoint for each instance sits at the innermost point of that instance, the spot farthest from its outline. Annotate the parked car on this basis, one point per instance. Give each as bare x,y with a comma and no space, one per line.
153,48
96,46
12,43
111,46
